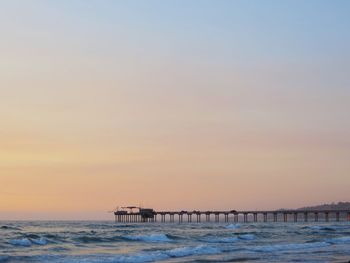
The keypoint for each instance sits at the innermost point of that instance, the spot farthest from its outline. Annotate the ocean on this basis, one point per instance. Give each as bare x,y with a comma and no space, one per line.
88,241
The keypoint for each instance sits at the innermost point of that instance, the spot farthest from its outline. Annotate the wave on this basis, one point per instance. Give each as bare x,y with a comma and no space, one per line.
24,242
286,247
233,226
322,228
97,239
91,239
39,241
5,227
140,257
111,225
4,258
229,239
190,251
300,246
339,240
27,242
29,235
150,238
126,226
166,254
247,236
221,240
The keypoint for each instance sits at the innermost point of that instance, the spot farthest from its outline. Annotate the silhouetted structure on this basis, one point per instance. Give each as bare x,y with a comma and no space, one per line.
149,215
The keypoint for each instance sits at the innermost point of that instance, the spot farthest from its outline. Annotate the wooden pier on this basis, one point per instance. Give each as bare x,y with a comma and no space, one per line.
149,215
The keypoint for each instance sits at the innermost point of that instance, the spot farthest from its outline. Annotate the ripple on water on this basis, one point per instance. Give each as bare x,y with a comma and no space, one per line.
150,238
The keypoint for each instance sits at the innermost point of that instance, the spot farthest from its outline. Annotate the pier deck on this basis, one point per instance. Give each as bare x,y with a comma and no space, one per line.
233,216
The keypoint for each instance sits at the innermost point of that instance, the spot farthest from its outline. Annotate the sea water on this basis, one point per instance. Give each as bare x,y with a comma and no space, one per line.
88,241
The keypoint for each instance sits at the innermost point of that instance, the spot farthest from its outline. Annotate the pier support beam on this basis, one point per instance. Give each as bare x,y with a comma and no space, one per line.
337,216
245,217
207,217
316,217
274,217
255,215
217,217
265,217
189,218
306,217
295,217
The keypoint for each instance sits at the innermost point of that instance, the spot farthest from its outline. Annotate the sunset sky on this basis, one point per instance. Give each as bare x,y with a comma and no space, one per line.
172,105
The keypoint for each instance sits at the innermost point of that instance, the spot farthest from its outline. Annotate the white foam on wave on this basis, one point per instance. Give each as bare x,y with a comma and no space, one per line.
286,247
233,226
150,238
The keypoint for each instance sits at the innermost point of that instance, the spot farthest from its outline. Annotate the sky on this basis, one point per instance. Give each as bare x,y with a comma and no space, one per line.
172,105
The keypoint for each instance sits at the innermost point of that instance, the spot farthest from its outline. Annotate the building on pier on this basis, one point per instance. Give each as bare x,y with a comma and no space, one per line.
143,214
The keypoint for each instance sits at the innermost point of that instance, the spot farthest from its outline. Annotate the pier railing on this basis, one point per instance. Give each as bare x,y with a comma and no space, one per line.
235,216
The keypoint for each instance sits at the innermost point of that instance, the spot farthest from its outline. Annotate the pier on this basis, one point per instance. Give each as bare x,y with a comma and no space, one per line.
149,215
